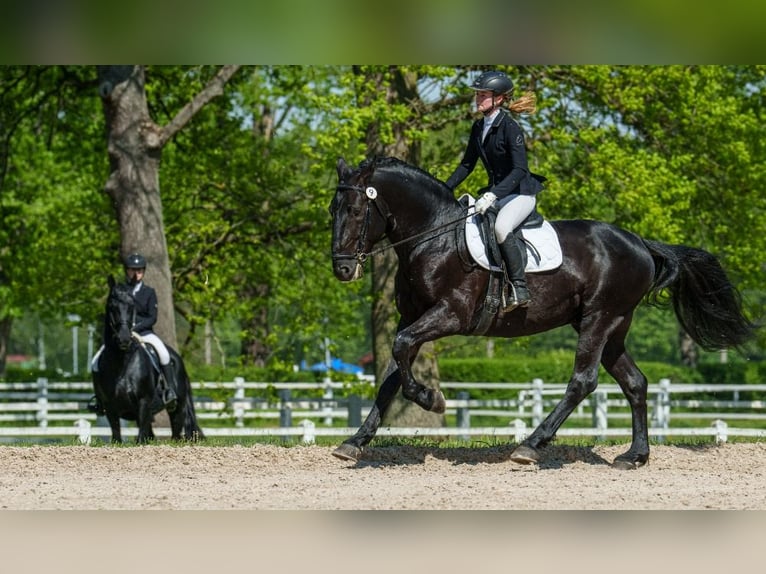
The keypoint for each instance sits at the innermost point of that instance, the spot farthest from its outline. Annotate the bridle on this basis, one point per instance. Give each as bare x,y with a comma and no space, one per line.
122,320
374,199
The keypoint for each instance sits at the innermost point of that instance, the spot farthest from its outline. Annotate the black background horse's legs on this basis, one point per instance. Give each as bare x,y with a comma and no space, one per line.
114,424
352,447
633,383
144,420
178,421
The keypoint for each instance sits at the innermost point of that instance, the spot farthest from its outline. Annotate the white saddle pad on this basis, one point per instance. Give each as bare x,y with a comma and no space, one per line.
545,256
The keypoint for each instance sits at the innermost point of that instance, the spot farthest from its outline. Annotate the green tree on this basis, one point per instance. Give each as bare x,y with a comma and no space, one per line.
51,157
135,144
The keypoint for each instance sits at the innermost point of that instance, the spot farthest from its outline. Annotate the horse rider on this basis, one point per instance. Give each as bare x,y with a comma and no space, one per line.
498,140
145,298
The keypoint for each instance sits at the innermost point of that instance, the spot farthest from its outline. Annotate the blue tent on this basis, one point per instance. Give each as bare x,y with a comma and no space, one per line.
336,365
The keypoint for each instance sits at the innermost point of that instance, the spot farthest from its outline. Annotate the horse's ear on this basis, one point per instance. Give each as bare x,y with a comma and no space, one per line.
342,168
367,167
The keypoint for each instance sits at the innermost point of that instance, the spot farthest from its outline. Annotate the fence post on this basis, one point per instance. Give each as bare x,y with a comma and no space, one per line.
354,411
721,431
285,411
326,398
520,430
463,414
537,406
309,431
600,408
239,396
663,407
42,402
84,434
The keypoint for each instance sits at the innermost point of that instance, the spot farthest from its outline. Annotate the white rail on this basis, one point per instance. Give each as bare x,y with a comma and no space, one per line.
49,404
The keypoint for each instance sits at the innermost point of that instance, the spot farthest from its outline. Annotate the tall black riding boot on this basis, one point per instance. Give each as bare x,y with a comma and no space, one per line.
169,396
514,254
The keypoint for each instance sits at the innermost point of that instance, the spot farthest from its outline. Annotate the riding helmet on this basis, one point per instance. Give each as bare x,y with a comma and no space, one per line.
135,261
496,82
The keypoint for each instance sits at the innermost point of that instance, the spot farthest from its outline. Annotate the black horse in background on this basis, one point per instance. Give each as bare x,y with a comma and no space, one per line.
127,380
605,274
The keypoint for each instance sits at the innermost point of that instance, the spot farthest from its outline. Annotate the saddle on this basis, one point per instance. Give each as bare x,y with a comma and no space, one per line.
540,238
543,253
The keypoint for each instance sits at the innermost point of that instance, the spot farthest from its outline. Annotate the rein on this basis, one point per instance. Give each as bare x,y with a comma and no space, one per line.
372,194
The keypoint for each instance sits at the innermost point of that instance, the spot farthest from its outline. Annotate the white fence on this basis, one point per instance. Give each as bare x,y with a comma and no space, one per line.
53,410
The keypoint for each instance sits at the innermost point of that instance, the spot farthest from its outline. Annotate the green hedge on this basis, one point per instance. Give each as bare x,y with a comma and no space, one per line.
552,368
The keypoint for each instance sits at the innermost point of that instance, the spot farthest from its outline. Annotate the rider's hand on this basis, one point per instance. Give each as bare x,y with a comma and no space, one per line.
485,202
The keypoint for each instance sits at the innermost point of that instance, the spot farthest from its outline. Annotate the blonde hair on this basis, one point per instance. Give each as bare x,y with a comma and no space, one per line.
526,104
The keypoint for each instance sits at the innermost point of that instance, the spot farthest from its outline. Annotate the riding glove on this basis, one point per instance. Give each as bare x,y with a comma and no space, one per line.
485,202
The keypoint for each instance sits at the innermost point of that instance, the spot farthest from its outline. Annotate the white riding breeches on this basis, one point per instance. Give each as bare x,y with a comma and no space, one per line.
159,346
94,360
512,211
151,338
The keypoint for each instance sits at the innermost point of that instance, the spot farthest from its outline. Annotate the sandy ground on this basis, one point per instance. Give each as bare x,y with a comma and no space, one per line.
165,477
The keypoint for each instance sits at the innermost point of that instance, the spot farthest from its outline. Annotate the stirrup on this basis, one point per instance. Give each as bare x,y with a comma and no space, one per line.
512,300
94,406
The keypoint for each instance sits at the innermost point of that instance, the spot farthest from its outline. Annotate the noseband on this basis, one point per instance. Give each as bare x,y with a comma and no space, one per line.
372,199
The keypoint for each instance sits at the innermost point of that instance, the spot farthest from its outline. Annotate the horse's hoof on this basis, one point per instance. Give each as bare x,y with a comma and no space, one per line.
440,405
524,454
347,452
626,463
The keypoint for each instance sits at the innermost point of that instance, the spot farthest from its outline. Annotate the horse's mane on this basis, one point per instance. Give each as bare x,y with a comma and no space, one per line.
421,177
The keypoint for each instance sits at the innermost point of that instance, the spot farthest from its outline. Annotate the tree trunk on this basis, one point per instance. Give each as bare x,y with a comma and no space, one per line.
253,348
687,348
402,412
134,146
5,334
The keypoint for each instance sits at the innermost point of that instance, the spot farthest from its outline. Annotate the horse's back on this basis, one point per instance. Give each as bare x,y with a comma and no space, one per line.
578,235
608,259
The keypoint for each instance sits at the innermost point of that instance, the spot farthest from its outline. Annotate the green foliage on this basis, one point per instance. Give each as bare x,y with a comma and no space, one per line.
553,367
674,153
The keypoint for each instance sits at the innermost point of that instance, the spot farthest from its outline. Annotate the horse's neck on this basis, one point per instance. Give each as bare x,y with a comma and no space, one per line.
416,210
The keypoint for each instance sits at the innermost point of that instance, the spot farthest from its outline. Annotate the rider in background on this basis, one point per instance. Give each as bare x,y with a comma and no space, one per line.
498,140
145,298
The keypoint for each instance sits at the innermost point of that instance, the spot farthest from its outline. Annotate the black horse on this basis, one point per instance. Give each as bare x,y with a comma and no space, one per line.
605,274
127,380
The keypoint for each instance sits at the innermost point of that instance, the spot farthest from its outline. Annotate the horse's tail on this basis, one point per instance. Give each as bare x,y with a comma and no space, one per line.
707,305
191,429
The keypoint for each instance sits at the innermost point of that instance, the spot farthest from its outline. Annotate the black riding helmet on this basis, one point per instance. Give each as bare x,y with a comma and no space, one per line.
135,261
496,82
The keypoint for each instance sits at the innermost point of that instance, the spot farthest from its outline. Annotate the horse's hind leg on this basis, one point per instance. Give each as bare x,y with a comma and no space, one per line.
177,423
583,382
351,448
632,381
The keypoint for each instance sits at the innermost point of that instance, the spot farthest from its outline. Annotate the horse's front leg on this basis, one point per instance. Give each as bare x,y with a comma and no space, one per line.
144,421
437,322
114,424
351,448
